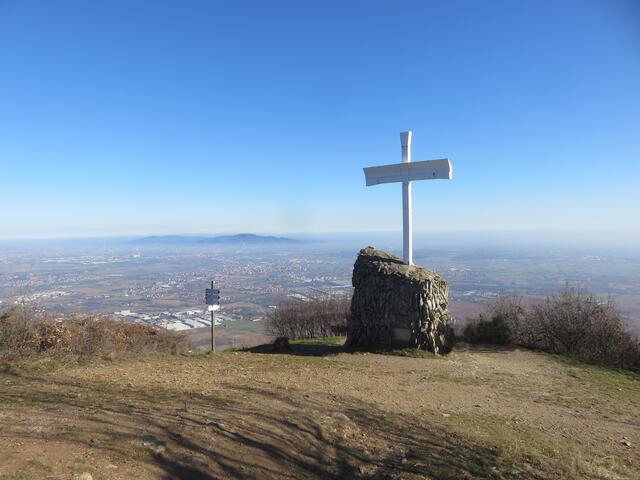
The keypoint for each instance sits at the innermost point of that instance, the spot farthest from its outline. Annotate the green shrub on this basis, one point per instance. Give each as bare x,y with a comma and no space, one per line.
495,331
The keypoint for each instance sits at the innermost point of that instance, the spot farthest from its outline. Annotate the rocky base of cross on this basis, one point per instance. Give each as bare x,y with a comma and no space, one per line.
397,305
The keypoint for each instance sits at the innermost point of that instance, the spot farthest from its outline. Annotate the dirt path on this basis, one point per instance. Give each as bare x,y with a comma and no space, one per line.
474,414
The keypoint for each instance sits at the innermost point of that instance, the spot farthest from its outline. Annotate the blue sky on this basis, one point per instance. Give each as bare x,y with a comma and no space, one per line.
127,118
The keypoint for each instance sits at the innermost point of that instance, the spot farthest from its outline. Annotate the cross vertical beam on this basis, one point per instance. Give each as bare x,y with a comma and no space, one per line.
407,220
406,172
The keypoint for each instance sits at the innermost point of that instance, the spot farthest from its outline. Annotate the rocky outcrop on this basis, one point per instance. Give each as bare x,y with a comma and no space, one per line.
396,305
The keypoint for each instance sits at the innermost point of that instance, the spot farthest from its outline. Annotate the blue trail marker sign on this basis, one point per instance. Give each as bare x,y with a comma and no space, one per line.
212,296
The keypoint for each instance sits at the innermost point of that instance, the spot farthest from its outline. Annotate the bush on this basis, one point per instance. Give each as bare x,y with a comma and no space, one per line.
24,333
579,324
320,317
494,331
499,325
570,322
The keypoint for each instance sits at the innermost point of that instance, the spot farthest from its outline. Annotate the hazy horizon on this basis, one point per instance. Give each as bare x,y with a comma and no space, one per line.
423,239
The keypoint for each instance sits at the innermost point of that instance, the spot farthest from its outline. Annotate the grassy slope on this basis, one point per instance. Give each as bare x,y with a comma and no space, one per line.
478,413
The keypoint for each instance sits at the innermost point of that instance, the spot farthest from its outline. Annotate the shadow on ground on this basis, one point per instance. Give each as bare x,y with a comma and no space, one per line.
251,431
484,348
305,350
327,349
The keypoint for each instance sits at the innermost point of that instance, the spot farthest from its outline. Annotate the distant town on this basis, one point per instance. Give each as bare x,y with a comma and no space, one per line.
163,284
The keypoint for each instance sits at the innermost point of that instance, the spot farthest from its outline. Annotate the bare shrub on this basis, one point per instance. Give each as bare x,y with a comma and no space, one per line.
24,333
509,307
579,324
17,335
320,317
570,322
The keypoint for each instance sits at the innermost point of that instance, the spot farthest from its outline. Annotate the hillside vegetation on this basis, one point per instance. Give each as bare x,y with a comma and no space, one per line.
570,322
25,333
319,413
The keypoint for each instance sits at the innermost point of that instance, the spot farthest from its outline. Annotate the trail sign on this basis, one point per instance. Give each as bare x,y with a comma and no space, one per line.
212,296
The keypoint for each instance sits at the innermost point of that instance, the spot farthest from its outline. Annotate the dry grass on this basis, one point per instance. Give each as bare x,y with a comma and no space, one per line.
320,413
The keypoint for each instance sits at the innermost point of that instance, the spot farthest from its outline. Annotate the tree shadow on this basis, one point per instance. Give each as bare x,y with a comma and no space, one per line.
249,432
301,349
324,349
483,348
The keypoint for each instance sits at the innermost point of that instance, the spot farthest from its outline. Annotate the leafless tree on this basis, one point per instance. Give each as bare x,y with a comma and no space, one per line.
319,317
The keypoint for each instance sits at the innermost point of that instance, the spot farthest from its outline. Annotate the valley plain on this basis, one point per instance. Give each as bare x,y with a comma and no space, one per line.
164,284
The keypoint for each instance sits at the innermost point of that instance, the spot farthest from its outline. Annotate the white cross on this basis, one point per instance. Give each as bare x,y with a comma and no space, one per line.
405,172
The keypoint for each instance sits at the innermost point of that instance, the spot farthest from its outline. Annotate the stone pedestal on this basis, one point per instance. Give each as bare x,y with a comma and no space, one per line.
397,305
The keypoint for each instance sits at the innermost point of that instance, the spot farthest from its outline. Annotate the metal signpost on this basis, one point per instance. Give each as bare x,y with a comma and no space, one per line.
212,298
405,172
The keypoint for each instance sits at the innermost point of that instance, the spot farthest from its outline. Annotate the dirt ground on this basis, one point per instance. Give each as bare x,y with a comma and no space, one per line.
320,413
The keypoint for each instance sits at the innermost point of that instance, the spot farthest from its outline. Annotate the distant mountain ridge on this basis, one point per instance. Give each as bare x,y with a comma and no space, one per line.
238,239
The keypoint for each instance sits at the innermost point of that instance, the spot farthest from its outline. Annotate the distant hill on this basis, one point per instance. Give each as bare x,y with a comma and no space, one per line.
238,239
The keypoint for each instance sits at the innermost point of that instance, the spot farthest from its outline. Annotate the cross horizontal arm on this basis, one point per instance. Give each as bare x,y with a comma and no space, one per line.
406,172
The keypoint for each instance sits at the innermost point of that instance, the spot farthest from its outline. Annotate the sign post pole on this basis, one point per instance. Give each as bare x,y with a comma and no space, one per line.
212,299
213,323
